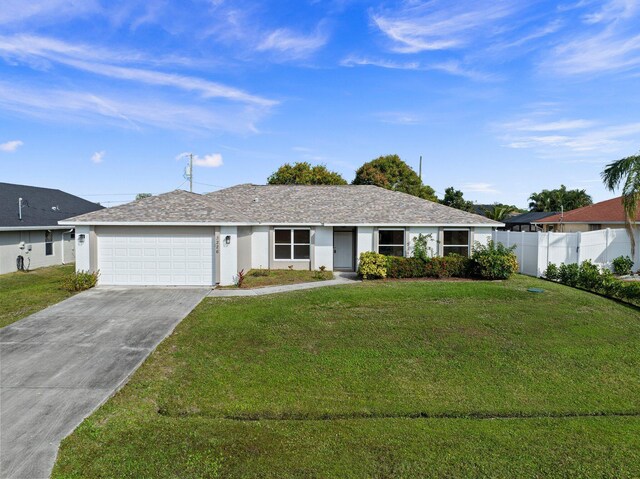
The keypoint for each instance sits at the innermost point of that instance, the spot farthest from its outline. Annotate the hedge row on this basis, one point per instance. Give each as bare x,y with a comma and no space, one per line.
590,277
487,262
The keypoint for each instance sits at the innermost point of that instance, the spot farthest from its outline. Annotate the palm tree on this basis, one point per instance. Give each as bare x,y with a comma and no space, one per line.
626,170
499,212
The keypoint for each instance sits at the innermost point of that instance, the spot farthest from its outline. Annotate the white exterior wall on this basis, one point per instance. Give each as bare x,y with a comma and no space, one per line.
323,247
63,250
228,255
364,241
414,231
481,235
83,250
260,247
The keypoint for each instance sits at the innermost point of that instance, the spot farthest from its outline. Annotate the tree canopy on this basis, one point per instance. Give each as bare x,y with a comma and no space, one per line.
303,173
392,173
455,199
558,199
627,171
499,212
141,196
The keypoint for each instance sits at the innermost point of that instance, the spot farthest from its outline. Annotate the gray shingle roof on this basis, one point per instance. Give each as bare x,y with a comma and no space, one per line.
289,204
40,206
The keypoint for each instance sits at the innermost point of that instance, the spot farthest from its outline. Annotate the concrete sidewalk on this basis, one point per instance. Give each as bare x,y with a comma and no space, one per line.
58,365
340,278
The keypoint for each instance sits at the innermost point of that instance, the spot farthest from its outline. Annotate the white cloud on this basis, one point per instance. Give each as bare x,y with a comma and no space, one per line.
11,146
479,188
292,44
130,111
399,118
213,160
98,156
32,49
440,25
14,11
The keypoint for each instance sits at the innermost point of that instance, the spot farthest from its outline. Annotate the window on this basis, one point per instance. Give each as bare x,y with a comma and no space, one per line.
595,227
391,242
455,242
48,243
292,244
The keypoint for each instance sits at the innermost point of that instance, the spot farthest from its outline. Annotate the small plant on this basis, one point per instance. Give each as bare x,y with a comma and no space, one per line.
622,265
589,276
321,273
493,261
322,268
372,265
552,272
259,272
421,248
81,280
240,278
568,274
290,267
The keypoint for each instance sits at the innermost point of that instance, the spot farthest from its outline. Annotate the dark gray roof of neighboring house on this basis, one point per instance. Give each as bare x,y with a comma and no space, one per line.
527,218
40,206
289,204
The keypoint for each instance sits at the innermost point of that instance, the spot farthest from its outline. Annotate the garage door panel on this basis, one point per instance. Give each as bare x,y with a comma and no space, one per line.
156,256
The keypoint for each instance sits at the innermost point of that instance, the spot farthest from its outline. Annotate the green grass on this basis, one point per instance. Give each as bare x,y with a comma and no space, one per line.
24,293
259,278
435,379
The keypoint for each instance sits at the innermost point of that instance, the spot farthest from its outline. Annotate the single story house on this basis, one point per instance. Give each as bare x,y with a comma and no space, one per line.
526,221
182,238
29,226
598,216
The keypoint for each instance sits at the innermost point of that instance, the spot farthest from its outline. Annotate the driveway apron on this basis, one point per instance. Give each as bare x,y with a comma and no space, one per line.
58,365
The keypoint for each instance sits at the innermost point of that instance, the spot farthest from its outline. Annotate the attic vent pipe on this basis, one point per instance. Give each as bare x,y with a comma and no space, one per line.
20,208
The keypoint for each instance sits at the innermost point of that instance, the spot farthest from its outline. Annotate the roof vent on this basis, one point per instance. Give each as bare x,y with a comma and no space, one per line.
255,200
55,208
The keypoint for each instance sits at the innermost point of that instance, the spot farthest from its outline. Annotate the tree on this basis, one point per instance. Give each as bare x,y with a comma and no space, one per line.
626,170
141,196
455,199
500,212
304,174
559,199
392,173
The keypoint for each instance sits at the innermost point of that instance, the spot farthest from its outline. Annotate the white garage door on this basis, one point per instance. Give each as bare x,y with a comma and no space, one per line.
155,256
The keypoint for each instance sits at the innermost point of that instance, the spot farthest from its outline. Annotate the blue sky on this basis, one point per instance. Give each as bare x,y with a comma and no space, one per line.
501,98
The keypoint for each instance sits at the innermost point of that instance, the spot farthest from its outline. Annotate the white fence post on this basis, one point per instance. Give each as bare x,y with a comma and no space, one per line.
578,246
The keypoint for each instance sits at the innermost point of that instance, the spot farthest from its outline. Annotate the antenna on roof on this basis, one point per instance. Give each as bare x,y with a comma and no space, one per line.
188,172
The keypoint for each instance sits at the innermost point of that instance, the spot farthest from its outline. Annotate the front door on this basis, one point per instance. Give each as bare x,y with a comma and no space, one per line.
343,250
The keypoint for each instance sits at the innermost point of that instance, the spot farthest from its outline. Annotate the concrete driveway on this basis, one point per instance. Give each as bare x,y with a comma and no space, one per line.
60,364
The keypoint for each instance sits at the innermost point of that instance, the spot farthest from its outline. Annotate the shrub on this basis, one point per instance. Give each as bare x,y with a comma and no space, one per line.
421,249
493,261
321,273
552,272
589,276
435,267
81,280
400,267
622,265
456,266
372,265
568,274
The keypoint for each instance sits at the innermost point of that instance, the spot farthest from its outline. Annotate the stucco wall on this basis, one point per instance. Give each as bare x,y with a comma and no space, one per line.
228,255
260,247
481,235
414,231
244,248
323,251
36,257
83,249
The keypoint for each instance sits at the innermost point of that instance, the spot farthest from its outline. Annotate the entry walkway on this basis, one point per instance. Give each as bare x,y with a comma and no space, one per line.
340,278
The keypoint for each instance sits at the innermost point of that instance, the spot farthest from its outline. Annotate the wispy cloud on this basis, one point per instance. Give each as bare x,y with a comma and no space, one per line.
11,146
126,110
440,25
291,44
98,157
14,11
479,188
569,137
399,118
213,160
85,58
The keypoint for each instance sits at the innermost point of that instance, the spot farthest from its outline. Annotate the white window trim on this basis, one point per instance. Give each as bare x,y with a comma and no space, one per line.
292,244
49,242
404,237
468,245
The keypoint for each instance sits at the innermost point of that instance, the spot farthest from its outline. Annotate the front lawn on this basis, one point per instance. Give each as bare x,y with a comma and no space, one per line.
435,379
259,278
24,293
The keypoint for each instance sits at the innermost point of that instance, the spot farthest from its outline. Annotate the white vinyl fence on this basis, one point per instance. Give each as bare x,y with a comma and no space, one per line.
536,250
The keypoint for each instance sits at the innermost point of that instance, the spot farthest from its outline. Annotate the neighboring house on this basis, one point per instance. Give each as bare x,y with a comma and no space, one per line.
606,214
526,221
182,238
29,226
